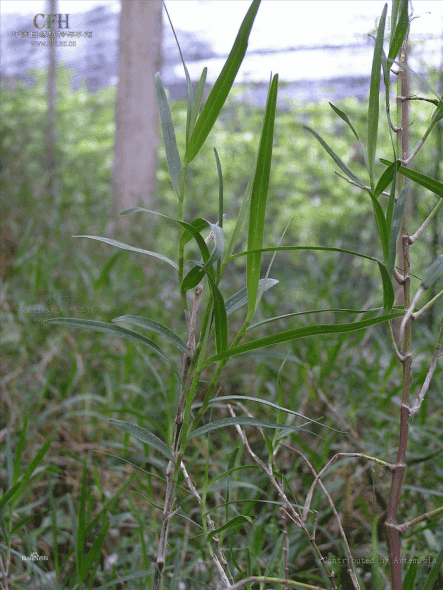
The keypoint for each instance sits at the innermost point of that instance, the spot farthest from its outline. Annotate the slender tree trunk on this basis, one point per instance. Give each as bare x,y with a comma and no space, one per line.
50,135
136,109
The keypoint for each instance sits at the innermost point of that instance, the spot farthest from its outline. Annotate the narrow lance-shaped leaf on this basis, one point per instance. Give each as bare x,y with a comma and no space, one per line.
240,298
297,333
172,155
131,248
345,118
222,86
334,156
189,94
401,28
145,436
242,421
388,291
381,225
386,179
397,218
114,330
220,317
234,523
374,95
426,181
259,196
197,102
434,272
157,328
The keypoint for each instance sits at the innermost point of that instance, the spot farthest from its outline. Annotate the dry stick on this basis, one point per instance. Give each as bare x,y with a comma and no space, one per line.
350,569
421,396
288,506
265,579
394,545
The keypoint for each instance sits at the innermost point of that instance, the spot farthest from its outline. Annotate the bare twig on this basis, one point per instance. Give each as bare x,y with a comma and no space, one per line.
421,396
402,528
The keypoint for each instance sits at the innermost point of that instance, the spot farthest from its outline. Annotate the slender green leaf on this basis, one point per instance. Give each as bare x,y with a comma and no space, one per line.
222,86
438,113
220,189
381,225
131,248
433,574
104,275
19,449
157,328
189,93
240,298
259,196
334,156
114,330
187,226
14,492
433,273
192,278
309,312
297,333
397,219
198,224
197,102
411,574
234,523
265,402
426,181
401,28
345,118
172,155
386,178
220,317
242,421
388,291
374,95
144,436
94,553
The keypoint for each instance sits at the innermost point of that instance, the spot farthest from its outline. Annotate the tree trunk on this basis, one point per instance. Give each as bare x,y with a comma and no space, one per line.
136,108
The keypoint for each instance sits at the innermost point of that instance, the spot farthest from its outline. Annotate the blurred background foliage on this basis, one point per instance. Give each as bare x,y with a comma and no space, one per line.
72,382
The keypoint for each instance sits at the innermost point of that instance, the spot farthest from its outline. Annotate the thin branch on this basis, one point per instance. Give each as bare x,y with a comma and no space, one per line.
365,188
402,528
421,396
409,313
429,304
432,100
398,277
426,222
397,353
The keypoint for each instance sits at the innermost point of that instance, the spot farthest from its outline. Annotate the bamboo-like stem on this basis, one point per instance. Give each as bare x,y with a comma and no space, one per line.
393,536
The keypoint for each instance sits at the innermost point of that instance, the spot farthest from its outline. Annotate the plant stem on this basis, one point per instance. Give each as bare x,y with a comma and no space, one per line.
398,472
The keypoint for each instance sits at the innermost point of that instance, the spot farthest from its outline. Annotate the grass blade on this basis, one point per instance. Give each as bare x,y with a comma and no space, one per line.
95,551
241,420
144,436
297,333
234,523
222,86
374,95
157,328
426,181
172,155
259,196
433,574
130,248
345,118
386,179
